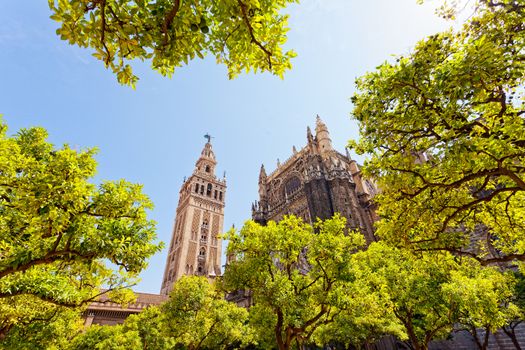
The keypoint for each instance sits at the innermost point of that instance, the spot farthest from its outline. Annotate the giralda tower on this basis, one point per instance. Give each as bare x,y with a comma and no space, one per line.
195,247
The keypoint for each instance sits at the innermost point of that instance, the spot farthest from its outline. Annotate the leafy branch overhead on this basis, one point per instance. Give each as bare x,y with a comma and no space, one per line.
445,127
245,35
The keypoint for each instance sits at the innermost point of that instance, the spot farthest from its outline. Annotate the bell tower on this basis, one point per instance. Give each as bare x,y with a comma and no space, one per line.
195,247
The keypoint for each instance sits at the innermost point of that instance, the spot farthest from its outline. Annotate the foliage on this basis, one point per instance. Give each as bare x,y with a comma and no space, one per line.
149,326
143,331
484,299
431,293
242,34
198,317
99,337
367,317
518,299
411,288
195,317
61,238
296,278
48,327
444,127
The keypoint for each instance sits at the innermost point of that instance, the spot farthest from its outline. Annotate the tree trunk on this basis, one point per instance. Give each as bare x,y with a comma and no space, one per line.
415,342
512,335
486,340
4,330
481,345
412,337
282,345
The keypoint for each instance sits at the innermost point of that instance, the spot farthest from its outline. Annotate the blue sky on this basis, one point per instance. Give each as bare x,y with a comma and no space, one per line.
153,135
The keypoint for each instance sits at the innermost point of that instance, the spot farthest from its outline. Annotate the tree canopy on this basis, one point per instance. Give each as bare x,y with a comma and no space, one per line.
296,278
245,35
432,294
445,129
196,316
62,238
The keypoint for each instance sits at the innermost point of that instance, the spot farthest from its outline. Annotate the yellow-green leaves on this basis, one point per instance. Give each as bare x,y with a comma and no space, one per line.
297,278
444,128
197,316
62,238
245,35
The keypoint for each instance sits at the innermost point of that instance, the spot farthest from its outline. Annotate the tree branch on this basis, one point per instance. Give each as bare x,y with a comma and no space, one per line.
169,20
250,30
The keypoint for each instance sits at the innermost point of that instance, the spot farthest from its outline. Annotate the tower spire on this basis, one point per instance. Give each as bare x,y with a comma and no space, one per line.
206,162
323,136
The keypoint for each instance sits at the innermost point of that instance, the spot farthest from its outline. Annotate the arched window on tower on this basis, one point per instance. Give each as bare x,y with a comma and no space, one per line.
207,168
202,253
208,190
196,188
202,189
200,268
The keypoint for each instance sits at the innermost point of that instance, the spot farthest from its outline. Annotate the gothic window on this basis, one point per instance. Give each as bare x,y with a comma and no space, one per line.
204,237
292,185
202,253
196,188
202,189
205,223
207,168
215,195
208,190
220,196
371,188
200,268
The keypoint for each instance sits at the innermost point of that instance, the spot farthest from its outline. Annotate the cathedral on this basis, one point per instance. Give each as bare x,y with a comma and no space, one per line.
317,182
195,247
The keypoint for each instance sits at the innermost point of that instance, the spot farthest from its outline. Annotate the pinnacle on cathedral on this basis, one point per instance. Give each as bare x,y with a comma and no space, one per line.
309,136
323,136
317,182
262,174
195,247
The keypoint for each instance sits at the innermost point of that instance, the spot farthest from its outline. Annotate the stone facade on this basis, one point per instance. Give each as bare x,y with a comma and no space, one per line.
107,313
317,182
195,247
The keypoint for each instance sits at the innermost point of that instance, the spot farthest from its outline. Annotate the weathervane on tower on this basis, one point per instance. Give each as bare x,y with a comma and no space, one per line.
208,136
